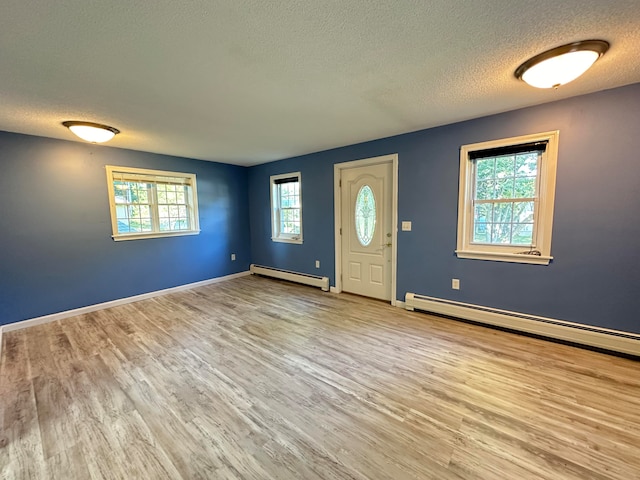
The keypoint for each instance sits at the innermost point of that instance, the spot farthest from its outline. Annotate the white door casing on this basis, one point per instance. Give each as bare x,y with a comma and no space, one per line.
366,259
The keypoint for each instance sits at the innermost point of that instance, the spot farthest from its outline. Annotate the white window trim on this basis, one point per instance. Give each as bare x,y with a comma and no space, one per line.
276,236
544,204
195,222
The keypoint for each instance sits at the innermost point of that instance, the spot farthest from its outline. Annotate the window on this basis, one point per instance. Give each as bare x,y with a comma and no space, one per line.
286,208
151,203
365,215
506,196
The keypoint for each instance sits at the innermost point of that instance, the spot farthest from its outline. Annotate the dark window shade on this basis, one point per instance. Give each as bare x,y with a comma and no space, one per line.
280,181
508,150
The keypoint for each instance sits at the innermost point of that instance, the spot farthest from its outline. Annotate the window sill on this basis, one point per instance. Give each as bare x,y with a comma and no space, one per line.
504,257
141,236
287,240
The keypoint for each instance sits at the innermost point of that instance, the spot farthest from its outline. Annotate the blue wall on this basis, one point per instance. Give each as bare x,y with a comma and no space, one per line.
56,251
595,275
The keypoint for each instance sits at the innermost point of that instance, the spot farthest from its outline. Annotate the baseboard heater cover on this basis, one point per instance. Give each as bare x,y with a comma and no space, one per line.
304,278
614,340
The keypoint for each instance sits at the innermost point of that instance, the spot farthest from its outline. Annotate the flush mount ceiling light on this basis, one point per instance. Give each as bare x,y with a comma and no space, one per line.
561,65
92,132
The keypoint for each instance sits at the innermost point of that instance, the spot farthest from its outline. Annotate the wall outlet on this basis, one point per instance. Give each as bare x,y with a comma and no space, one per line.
406,226
317,263
233,257
455,283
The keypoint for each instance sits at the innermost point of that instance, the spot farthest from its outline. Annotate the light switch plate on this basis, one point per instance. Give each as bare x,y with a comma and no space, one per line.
406,226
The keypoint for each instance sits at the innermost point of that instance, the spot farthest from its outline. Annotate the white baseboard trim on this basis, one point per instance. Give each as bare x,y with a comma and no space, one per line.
334,290
400,304
32,322
607,339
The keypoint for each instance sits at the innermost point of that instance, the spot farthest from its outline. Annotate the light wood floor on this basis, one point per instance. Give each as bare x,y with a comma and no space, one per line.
259,379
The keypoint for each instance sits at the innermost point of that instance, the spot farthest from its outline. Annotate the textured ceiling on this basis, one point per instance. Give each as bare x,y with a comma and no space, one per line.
250,81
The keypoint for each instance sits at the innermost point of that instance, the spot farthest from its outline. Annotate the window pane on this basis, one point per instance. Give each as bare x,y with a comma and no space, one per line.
143,196
502,212
523,212
180,224
120,192
365,215
287,189
145,225
483,212
484,168
503,188
484,190
122,212
134,225
527,165
123,226
505,166
145,211
164,225
134,211
291,228
522,234
495,180
139,195
482,233
525,187
501,233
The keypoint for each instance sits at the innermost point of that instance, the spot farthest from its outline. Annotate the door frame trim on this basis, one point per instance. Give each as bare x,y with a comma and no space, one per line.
337,203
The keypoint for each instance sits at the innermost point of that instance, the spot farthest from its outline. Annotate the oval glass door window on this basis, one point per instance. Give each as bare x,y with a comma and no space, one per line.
365,215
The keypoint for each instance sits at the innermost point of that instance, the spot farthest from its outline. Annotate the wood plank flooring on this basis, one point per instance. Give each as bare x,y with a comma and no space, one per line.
259,379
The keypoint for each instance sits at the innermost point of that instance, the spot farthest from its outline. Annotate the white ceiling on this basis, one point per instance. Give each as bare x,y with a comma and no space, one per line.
251,81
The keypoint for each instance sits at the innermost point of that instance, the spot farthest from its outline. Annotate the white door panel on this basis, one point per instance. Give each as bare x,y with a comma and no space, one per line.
366,230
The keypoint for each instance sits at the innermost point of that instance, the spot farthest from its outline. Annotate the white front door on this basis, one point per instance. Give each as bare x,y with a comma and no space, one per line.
366,222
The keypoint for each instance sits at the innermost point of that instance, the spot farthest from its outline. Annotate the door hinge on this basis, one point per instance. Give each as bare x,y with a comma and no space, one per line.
340,230
340,183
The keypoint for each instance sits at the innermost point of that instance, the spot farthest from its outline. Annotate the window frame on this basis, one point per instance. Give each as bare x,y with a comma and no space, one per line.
153,177
543,204
276,234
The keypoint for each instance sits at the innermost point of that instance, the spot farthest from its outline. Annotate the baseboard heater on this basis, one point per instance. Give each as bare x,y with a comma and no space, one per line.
304,278
613,340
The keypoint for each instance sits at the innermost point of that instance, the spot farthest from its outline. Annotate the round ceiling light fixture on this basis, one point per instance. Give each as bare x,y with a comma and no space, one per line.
91,132
561,65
